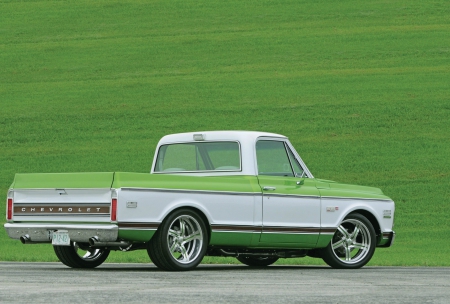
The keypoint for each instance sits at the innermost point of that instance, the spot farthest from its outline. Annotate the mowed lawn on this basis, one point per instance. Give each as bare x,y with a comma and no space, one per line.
362,89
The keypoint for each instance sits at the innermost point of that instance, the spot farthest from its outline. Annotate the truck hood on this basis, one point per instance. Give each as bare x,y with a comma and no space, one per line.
332,188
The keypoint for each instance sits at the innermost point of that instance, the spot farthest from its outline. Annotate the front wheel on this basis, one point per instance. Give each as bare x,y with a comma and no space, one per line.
80,255
257,261
180,242
352,245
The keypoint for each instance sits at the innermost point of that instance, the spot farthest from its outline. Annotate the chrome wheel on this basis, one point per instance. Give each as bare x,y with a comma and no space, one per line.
180,242
352,242
86,253
80,255
185,239
352,245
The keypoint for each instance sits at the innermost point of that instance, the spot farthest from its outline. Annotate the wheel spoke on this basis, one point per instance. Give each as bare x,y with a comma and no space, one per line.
338,244
195,236
355,232
359,246
343,231
182,226
90,253
173,247
348,251
173,233
76,247
184,253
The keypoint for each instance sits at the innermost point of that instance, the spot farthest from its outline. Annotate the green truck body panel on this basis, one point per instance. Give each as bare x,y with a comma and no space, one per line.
235,184
63,180
242,184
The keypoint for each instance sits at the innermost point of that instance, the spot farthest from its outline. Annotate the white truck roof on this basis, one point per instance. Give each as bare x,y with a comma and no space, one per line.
241,136
246,139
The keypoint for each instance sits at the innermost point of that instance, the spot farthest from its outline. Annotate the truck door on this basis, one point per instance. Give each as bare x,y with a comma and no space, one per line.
291,202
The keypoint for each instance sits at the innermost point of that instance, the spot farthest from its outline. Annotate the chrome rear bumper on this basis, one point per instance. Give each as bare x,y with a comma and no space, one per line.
42,233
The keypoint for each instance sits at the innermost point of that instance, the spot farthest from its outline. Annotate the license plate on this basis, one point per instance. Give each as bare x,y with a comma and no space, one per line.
61,238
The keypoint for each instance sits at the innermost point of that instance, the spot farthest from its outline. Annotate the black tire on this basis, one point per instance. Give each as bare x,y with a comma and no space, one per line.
180,242
79,255
257,261
154,252
352,245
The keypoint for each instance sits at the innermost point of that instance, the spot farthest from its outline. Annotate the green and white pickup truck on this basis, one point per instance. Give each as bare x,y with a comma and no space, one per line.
241,194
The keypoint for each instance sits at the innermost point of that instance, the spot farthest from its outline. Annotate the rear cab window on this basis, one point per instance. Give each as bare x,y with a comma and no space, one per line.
199,157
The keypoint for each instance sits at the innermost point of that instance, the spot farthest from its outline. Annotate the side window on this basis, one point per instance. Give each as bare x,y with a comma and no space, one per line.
272,158
298,171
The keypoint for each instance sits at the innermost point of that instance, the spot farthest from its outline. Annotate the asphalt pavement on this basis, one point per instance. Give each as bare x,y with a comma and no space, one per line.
144,283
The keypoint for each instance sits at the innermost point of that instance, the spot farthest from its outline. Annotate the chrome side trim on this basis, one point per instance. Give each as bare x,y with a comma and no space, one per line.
235,228
34,189
138,226
358,198
191,191
272,229
292,195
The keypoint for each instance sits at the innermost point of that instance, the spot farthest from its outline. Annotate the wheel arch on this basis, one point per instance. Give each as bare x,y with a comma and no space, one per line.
372,219
196,210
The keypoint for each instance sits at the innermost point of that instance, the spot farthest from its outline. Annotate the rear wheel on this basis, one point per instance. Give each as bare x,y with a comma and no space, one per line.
257,261
180,242
80,255
352,245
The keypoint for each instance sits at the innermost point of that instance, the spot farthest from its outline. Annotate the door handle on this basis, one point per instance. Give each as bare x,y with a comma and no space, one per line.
269,188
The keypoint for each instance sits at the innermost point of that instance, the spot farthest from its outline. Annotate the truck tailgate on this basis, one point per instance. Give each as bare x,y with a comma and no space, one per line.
46,202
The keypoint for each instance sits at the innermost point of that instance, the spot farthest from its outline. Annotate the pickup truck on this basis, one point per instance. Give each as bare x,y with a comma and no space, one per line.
239,194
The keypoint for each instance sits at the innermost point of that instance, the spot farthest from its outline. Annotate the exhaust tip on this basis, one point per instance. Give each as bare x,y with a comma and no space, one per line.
25,239
93,240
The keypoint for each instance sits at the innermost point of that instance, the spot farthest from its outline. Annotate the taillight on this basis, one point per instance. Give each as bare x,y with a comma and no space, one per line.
9,209
114,209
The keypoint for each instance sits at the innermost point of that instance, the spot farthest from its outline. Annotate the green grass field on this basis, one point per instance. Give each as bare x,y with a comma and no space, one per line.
360,87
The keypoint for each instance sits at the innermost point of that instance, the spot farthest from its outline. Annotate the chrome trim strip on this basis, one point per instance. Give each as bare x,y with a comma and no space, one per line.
291,195
199,171
34,189
235,228
138,226
219,192
60,226
192,191
64,214
138,229
358,198
272,229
